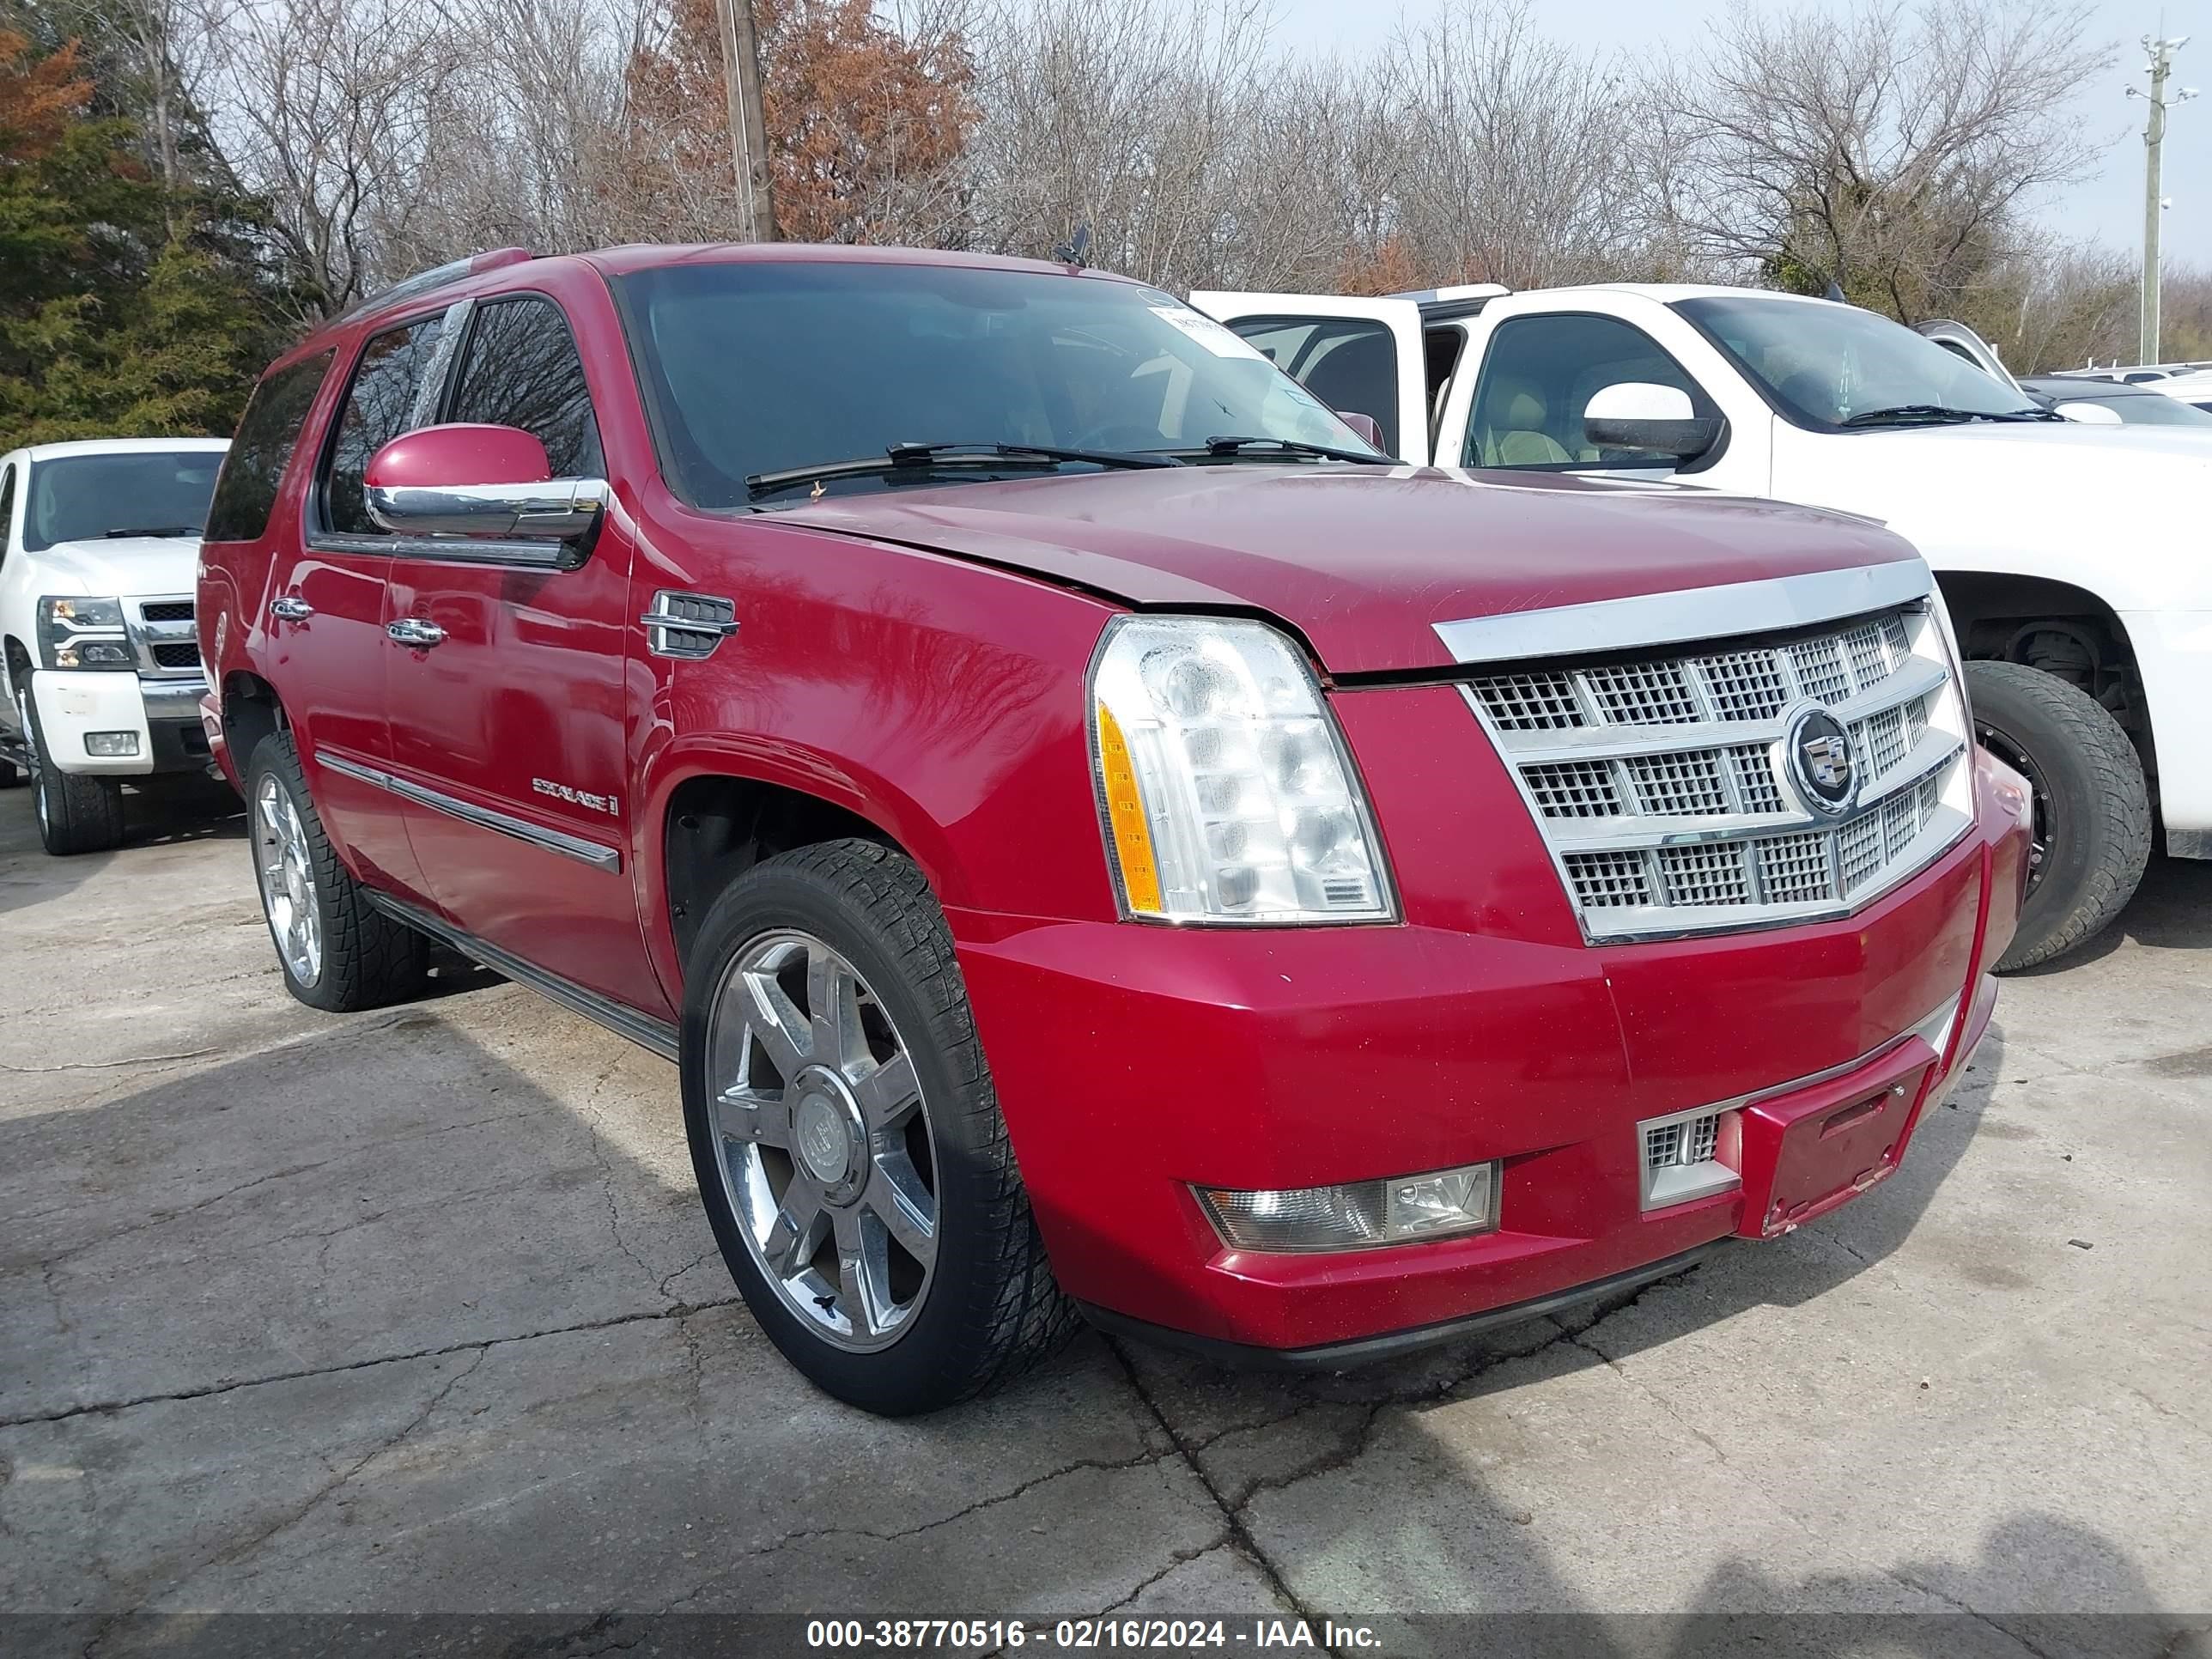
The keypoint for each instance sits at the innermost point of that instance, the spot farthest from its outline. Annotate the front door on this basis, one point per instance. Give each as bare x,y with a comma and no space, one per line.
510,731
327,649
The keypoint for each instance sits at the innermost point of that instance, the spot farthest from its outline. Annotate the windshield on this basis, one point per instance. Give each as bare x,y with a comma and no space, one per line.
758,368
1827,365
2154,410
83,498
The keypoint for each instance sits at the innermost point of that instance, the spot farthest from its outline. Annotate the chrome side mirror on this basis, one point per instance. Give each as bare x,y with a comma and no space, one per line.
1638,414
479,480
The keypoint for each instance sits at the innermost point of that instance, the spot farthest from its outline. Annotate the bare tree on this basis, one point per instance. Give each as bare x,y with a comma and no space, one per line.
325,109
1124,115
1512,166
1893,150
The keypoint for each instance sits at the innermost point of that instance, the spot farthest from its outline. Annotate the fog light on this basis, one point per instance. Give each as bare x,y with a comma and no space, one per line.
1358,1215
111,745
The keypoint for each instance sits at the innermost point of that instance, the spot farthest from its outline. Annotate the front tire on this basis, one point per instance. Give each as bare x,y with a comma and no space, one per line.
76,813
2092,836
338,950
847,1140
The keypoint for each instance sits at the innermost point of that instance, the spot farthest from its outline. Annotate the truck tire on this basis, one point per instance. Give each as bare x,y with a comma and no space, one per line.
76,813
338,950
2092,806
847,1140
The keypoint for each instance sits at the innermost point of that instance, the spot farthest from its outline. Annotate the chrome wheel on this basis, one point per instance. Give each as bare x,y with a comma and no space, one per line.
823,1139
287,873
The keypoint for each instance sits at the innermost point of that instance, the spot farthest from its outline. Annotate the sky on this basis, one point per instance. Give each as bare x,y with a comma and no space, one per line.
2107,207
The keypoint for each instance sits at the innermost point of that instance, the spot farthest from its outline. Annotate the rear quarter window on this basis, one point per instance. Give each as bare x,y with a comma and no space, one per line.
268,431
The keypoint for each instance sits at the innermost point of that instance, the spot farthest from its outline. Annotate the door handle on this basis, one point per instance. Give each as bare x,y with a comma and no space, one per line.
290,607
414,632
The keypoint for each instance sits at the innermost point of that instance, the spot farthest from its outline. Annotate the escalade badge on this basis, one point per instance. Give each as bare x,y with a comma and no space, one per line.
1822,765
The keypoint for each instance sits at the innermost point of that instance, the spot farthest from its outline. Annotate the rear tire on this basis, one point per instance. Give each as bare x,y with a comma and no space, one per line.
797,1168
76,813
338,950
2092,803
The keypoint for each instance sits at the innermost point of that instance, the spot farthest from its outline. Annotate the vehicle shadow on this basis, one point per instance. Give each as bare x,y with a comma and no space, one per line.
173,812
2170,911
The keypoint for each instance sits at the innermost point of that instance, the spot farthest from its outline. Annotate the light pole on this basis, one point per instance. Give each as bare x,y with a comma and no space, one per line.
2161,65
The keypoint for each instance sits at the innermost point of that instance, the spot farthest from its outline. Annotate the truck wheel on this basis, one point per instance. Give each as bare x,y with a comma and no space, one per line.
2092,836
338,952
848,1138
76,813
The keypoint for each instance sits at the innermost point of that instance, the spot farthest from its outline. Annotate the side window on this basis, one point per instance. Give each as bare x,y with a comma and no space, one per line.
379,406
1540,375
1347,363
7,511
245,489
522,370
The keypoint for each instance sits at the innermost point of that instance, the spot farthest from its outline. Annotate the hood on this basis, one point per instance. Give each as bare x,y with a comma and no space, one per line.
1364,562
2121,510
122,566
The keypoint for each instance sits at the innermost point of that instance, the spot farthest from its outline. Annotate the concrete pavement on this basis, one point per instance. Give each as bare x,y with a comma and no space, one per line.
417,1311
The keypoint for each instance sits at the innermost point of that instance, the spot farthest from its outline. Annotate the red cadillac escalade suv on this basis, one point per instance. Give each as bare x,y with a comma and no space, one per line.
1098,838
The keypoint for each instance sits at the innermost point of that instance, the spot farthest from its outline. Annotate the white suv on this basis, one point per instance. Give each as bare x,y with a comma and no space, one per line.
99,653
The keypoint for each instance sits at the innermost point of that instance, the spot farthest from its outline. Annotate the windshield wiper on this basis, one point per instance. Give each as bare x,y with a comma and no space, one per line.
1934,415
920,458
1230,448
158,529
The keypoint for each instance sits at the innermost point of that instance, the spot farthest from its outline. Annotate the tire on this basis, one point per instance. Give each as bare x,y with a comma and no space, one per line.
338,950
76,813
2091,805
985,1306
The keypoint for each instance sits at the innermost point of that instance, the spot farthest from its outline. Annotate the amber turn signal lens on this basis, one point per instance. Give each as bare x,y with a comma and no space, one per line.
1125,811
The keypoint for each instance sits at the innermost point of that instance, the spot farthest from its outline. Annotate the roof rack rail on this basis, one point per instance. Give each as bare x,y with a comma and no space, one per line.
452,271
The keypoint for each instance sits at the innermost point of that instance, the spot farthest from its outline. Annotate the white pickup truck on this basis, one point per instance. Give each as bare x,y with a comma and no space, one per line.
2071,557
99,653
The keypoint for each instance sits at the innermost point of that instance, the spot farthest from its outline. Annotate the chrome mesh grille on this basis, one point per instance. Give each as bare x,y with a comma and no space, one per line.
1529,702
1663,787
1646,694
1666,784
1609,879
1574,789
1795,869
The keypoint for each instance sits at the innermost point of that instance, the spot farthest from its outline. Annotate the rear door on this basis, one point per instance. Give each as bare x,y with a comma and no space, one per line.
1361,356
509,735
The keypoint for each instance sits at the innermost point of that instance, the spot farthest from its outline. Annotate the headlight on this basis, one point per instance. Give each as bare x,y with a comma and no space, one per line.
1225,787
83,634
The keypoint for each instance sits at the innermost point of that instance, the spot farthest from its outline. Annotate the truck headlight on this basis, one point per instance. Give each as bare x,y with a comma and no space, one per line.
77,633
1227,790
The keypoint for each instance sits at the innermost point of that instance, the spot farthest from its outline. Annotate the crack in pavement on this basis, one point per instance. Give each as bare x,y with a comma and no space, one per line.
1232,1514
1147,1460
586,1113
109,1407
1975,1613
245,1545
1175,1558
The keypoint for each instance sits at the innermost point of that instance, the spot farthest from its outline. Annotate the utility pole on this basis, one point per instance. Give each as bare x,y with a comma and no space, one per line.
748,121
2161,65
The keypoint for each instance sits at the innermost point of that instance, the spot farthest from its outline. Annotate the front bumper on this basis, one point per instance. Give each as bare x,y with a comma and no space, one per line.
163,715
1132,1062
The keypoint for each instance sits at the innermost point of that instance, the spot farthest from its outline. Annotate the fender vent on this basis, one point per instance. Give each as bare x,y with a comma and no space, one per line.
688,625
